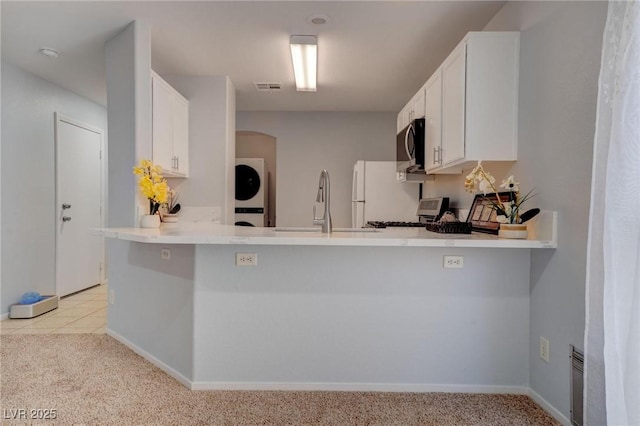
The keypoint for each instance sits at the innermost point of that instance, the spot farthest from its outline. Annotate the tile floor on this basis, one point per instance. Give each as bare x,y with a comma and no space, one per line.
84,312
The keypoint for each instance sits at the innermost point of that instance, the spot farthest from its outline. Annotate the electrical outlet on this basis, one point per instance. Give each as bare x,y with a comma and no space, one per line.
111,297
544,349
246,259
165,254
453,261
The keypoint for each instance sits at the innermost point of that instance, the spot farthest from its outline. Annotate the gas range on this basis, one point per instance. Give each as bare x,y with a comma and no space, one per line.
393,224
429,211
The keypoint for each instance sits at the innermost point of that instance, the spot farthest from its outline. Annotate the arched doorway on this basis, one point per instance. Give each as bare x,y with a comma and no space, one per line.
259,145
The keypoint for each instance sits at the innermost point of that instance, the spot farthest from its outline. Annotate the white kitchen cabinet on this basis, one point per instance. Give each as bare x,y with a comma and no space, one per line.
433,121
415,108
480,100
403,118
170,118
417,105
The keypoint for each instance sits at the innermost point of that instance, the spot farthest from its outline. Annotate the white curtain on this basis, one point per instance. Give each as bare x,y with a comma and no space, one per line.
612,334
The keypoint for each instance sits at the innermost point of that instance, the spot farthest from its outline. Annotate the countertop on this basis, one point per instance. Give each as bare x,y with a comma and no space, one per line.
542,234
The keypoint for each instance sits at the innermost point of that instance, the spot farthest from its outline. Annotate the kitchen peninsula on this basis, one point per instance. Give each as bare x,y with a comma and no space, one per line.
344,311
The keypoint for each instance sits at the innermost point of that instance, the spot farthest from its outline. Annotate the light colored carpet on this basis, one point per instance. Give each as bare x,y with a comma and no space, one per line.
93,379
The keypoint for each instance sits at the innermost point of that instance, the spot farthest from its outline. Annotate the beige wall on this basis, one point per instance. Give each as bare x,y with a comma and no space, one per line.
309,142
211,181
259,145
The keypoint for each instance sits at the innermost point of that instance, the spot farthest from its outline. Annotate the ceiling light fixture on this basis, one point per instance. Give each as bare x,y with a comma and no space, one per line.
50,52
304,54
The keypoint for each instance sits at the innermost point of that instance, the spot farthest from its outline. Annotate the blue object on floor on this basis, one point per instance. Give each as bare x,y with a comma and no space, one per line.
30,297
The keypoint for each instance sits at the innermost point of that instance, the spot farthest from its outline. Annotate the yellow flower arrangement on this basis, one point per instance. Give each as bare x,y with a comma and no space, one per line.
152,185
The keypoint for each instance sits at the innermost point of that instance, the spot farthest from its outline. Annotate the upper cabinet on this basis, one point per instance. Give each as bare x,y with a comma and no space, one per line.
433,121
480,100
415,108
471,103
170,118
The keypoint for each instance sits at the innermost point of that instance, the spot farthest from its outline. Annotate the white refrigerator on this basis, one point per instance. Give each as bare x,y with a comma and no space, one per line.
376,195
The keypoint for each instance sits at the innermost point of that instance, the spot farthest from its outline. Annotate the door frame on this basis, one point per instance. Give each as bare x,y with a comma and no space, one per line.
58,118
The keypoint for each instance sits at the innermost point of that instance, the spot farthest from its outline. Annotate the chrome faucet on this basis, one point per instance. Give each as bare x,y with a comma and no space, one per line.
323,196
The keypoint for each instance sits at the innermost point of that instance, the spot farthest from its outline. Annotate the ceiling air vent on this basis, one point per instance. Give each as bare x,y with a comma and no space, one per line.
268,87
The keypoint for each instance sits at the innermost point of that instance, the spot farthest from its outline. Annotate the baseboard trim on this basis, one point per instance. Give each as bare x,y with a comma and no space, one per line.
553,411
4,316
359,387
341,387
153,360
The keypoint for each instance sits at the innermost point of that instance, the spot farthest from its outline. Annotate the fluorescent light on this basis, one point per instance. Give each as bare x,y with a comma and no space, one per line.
304,54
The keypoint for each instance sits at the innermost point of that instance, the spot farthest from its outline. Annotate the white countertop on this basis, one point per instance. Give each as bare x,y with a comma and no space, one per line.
542,235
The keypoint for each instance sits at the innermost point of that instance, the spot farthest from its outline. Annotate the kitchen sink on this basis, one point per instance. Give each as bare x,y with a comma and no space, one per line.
335,230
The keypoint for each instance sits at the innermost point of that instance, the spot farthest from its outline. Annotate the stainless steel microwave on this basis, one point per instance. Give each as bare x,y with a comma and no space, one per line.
410,147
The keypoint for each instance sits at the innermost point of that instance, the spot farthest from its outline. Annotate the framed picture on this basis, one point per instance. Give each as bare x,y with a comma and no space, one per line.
482,215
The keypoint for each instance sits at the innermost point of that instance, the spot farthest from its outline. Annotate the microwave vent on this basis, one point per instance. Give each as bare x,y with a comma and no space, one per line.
268,86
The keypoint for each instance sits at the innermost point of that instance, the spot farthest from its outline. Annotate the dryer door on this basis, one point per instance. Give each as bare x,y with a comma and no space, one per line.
247,182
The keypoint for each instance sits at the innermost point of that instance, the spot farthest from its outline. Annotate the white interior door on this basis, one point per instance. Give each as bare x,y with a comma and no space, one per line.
79,253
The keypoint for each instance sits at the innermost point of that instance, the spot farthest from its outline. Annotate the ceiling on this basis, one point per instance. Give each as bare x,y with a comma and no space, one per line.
373,56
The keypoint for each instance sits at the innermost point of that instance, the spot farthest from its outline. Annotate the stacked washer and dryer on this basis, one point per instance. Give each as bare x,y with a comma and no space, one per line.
251,192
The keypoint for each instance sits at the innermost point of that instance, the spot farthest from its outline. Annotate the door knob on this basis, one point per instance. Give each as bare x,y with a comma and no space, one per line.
66,218
66,206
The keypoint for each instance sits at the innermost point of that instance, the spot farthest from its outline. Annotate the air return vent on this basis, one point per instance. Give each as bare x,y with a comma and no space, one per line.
268,86
577,385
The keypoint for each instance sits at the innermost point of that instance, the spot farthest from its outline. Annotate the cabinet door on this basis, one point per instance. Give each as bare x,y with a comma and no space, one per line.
417,104
400,123
433,120
181,134
453,105
162,118
403,117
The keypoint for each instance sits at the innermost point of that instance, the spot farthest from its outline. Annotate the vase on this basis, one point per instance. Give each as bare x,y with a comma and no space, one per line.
513,230
150,221
169,218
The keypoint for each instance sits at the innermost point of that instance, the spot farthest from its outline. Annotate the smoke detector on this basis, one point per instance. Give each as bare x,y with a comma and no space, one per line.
317,19
50,52
268,86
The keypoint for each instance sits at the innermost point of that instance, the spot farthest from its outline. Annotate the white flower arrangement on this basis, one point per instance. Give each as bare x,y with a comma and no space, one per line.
509,211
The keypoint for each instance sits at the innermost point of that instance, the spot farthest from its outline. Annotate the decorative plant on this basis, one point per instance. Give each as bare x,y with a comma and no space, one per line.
152,185
509,211
172,202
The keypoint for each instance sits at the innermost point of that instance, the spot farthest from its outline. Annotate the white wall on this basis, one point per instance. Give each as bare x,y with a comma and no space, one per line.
153,301
211,141
309,142
361,318
559,68
128,65
28,178
380,318
230,165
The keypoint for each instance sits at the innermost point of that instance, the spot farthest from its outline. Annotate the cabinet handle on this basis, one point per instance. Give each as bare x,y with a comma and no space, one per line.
435,158
177,163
